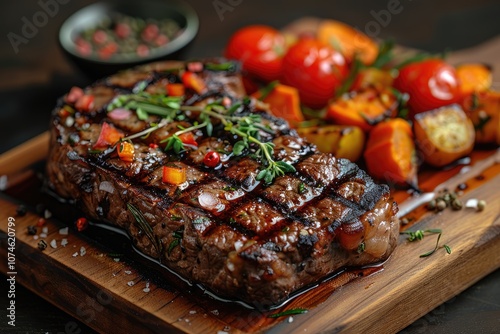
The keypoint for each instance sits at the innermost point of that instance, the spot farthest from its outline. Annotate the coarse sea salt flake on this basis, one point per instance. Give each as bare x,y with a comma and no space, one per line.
83,251
130,283
53,243
75,254
64,231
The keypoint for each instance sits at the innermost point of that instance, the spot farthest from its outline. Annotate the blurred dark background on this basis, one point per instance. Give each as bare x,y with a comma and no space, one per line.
32,79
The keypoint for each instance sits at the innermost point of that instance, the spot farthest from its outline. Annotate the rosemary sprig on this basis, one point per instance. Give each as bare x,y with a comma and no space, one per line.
177,240
145,103
419,235
288,312
145,227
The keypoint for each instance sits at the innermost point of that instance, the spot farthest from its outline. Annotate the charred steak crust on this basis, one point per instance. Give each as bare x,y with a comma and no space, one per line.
261,242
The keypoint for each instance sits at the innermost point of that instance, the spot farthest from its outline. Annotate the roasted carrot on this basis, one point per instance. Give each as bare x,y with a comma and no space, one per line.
474,78
349,41
363,108
283,102
390,153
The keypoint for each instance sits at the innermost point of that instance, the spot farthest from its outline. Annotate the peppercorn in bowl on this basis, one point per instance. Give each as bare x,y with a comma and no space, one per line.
106,37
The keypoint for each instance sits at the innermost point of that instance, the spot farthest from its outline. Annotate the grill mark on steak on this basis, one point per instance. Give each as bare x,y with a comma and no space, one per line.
239,237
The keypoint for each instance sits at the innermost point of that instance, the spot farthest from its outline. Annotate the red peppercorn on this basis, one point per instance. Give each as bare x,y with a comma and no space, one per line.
81,224
211,159
41,222
153,145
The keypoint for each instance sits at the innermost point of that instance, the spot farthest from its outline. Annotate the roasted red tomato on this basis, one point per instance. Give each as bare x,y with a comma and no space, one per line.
315,69
260,50
431,84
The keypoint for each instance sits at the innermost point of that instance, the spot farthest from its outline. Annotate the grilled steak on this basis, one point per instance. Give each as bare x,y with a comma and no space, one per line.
233,228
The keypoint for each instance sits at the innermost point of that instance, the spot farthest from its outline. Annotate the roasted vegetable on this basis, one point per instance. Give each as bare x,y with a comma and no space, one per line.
431,84
363,108
343,141
372,76
390,153
474,78
444,135
283,102
349,41
483,109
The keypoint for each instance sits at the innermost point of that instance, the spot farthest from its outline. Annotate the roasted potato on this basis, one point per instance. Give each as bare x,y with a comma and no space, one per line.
343,141
444,135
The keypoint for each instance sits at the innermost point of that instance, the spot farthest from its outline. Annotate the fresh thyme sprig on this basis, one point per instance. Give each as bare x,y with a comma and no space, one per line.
246,127
419,235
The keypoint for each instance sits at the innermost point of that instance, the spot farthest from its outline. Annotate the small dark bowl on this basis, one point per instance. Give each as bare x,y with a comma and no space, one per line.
90,16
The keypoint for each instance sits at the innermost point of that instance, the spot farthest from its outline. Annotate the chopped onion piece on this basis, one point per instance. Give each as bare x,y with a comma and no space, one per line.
119,114
107,187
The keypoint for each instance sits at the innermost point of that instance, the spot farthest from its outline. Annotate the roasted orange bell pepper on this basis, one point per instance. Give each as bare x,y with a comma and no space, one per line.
283,102
390,153
474,78
349,41
483,108
363,108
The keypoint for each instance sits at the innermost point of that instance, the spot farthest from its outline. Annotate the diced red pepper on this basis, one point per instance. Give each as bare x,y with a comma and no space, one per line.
85,103
41,222
174,175
108,136
74,94
81,224
193,81
153,145
175,89
126,151
188,139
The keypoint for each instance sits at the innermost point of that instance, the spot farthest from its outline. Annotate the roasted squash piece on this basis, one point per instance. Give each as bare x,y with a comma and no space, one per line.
372,76
283,102
444,135
349,41
390,153
474,78
342,141
363,108
483,108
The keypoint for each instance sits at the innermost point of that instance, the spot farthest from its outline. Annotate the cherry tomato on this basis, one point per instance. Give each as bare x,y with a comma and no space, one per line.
315,69
211,159
431,84
260,50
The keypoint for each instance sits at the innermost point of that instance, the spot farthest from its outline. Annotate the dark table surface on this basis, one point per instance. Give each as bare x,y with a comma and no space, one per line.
32,79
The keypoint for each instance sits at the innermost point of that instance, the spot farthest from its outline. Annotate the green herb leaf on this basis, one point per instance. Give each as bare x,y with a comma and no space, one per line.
145,227
302,188
227,66
288,312
265,91
447,248
239,146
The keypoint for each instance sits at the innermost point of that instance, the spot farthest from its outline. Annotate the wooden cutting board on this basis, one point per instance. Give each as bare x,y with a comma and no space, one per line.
113,294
